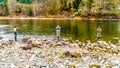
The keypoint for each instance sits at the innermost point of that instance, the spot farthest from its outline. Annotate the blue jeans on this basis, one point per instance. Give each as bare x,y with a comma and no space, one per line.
15,34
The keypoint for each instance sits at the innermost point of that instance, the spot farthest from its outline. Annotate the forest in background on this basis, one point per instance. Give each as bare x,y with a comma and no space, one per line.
60,8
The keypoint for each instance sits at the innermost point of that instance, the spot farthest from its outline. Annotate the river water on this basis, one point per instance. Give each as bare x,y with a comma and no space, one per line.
70,28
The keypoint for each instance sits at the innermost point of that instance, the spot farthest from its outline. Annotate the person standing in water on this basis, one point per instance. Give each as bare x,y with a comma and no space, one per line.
15,33
58,32
99,30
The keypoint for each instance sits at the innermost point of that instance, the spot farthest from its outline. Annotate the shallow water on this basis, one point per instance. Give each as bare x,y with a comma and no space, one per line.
70,28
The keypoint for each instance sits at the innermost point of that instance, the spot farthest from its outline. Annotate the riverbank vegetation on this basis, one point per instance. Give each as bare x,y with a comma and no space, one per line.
61,8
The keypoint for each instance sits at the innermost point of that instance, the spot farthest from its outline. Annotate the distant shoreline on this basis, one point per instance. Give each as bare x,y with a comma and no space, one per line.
58,18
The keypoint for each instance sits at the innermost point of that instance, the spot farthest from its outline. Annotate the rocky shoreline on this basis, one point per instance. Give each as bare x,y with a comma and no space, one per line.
30,52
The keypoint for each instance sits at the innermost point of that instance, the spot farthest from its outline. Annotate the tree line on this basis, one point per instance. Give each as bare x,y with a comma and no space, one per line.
96,8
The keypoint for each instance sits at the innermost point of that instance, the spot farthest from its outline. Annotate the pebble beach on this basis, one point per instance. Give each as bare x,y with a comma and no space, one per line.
30,52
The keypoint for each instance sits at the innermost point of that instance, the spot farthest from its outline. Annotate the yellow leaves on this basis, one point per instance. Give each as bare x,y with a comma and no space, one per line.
96,8
31,5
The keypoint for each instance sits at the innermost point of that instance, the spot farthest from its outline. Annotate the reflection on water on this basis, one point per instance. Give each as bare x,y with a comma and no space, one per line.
3,29
76,29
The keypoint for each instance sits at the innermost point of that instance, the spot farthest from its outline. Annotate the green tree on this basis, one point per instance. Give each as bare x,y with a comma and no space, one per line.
5,1
76,4
21,1
54,7
63,5
26,1
89,5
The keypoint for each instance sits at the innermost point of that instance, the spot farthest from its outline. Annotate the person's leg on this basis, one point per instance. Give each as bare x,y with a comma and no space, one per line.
58,35
15,33
15,37
98,38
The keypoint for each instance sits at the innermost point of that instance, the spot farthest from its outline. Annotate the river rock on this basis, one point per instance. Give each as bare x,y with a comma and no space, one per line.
76,55
25,47
66,53
1,46
116,67
72,65
58,44
1,38
90,54
95,66
24,40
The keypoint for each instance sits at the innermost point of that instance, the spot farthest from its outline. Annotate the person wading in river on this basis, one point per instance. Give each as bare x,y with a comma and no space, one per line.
99,30
58,32
15,33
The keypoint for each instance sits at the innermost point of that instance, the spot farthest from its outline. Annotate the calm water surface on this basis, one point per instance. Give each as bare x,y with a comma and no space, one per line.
75,29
